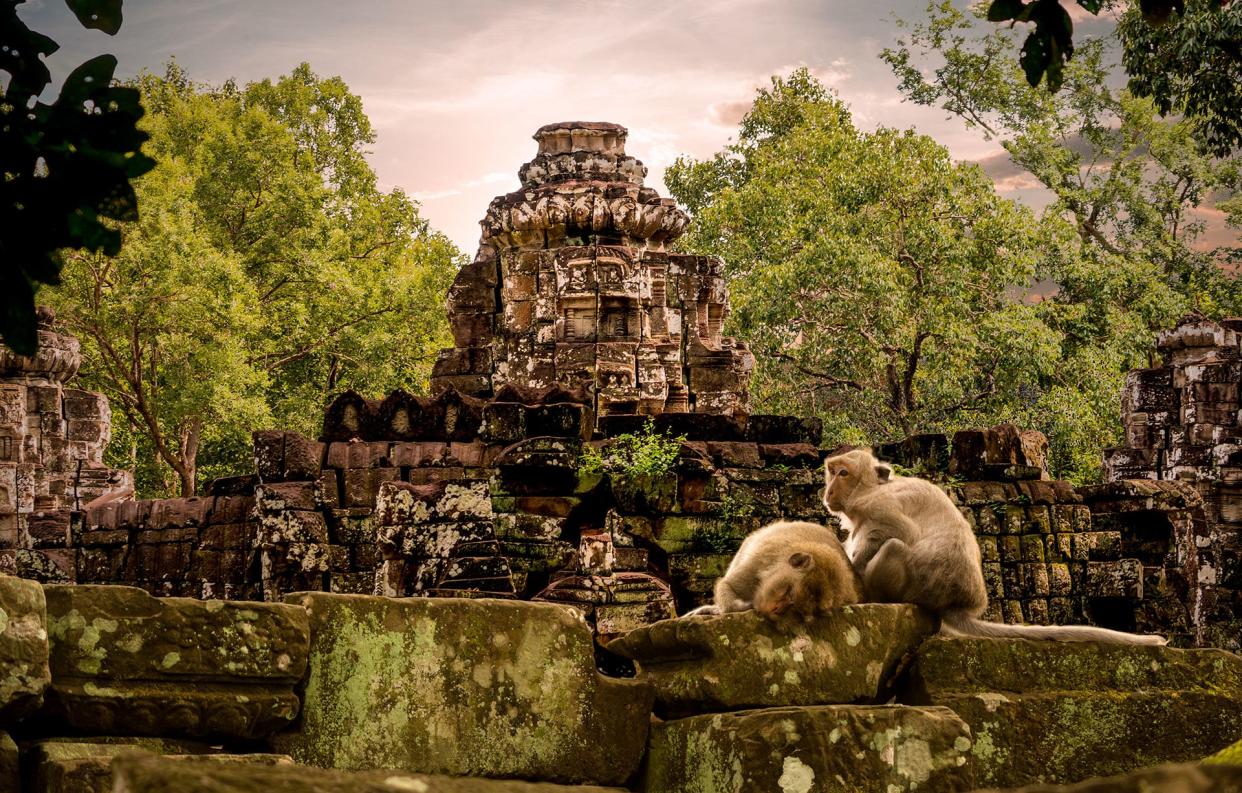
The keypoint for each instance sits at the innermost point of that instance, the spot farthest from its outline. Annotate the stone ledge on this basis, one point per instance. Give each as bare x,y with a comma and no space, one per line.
148,774
707,664
861,749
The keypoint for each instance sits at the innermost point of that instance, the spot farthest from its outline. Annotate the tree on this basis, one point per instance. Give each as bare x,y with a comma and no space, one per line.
1191,65
65,166
1125,180
878,281
1185,54
268,271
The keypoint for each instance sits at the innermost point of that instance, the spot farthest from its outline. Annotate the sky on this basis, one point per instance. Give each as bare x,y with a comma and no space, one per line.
455,90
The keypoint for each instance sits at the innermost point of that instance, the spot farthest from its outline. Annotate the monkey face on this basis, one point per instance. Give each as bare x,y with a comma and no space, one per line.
839,482
848,473
789,593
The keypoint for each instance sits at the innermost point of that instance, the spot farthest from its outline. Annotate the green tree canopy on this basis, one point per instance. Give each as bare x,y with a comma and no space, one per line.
1129,183
879,282
267,272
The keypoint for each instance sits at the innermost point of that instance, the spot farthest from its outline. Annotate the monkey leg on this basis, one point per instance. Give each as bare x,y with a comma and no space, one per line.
887,577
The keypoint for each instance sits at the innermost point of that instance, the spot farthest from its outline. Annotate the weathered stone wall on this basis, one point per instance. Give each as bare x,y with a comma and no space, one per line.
52,441
1182,424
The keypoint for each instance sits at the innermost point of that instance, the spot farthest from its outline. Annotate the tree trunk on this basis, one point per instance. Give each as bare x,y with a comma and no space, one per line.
188,454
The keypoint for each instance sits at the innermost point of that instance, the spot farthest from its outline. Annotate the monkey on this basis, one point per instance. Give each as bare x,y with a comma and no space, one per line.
910,544
789,572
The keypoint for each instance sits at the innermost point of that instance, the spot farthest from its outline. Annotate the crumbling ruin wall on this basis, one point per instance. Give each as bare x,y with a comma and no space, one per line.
1182,425
52,441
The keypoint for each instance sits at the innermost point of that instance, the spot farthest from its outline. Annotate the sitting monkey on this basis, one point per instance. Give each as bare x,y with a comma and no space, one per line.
910,544
789,572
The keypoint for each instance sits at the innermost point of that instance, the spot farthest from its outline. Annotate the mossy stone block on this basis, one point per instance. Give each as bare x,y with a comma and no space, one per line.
463,687
1170,778
24,672
851,748
713,663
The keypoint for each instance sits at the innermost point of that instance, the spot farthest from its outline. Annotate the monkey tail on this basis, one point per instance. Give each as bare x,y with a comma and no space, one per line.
960,623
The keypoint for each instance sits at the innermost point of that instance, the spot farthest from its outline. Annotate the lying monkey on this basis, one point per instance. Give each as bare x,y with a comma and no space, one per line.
910,544
789,572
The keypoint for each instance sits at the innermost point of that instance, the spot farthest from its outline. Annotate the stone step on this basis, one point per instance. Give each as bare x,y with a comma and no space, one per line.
1173,778
718,663
86,767
1062,712
853,748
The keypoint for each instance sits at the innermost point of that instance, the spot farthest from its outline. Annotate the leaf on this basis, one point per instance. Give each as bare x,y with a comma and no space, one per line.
1003,10
1035,57
1092,6
88,80
18,326
102,15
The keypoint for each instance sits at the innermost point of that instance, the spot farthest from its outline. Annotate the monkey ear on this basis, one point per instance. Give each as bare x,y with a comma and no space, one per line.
883,472
800,560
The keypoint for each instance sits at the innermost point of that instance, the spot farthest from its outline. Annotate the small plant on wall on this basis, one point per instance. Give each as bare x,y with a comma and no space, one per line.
646,453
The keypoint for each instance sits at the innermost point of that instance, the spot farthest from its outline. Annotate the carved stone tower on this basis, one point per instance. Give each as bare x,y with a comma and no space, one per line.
573,286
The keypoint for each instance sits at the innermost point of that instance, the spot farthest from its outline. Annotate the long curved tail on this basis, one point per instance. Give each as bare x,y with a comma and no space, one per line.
959,623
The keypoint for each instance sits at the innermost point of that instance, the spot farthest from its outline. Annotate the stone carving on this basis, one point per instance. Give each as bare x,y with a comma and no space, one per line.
124,663
572,286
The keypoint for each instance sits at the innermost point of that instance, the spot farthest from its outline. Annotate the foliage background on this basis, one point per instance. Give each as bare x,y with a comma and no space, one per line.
267,272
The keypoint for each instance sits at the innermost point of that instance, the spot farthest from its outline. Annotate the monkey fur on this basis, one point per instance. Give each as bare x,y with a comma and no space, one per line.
789,572
910,544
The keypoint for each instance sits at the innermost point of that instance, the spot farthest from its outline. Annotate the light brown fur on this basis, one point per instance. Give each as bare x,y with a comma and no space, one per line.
910,544
788,571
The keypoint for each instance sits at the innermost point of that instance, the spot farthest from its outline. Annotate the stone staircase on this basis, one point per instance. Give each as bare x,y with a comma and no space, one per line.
105,688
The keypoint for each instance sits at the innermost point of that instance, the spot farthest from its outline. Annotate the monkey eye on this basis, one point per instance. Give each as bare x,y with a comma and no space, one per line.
843,472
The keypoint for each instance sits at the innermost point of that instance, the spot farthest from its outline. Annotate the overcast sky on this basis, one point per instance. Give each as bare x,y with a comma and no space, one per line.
455,89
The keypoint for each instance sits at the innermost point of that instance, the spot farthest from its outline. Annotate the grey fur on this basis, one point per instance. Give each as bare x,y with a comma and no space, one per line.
910,544
769,549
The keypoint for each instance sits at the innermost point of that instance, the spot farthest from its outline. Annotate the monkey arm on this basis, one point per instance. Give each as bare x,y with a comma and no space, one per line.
863,551
874,533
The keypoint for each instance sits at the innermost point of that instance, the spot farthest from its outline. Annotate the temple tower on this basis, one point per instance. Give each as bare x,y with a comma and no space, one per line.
573,286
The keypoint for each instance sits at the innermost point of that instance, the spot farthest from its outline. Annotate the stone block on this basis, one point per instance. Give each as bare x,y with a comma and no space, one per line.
124,663
1066,711
10,768
705,664
860,749
213,774
1170,778
24,672
85,765
391,686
